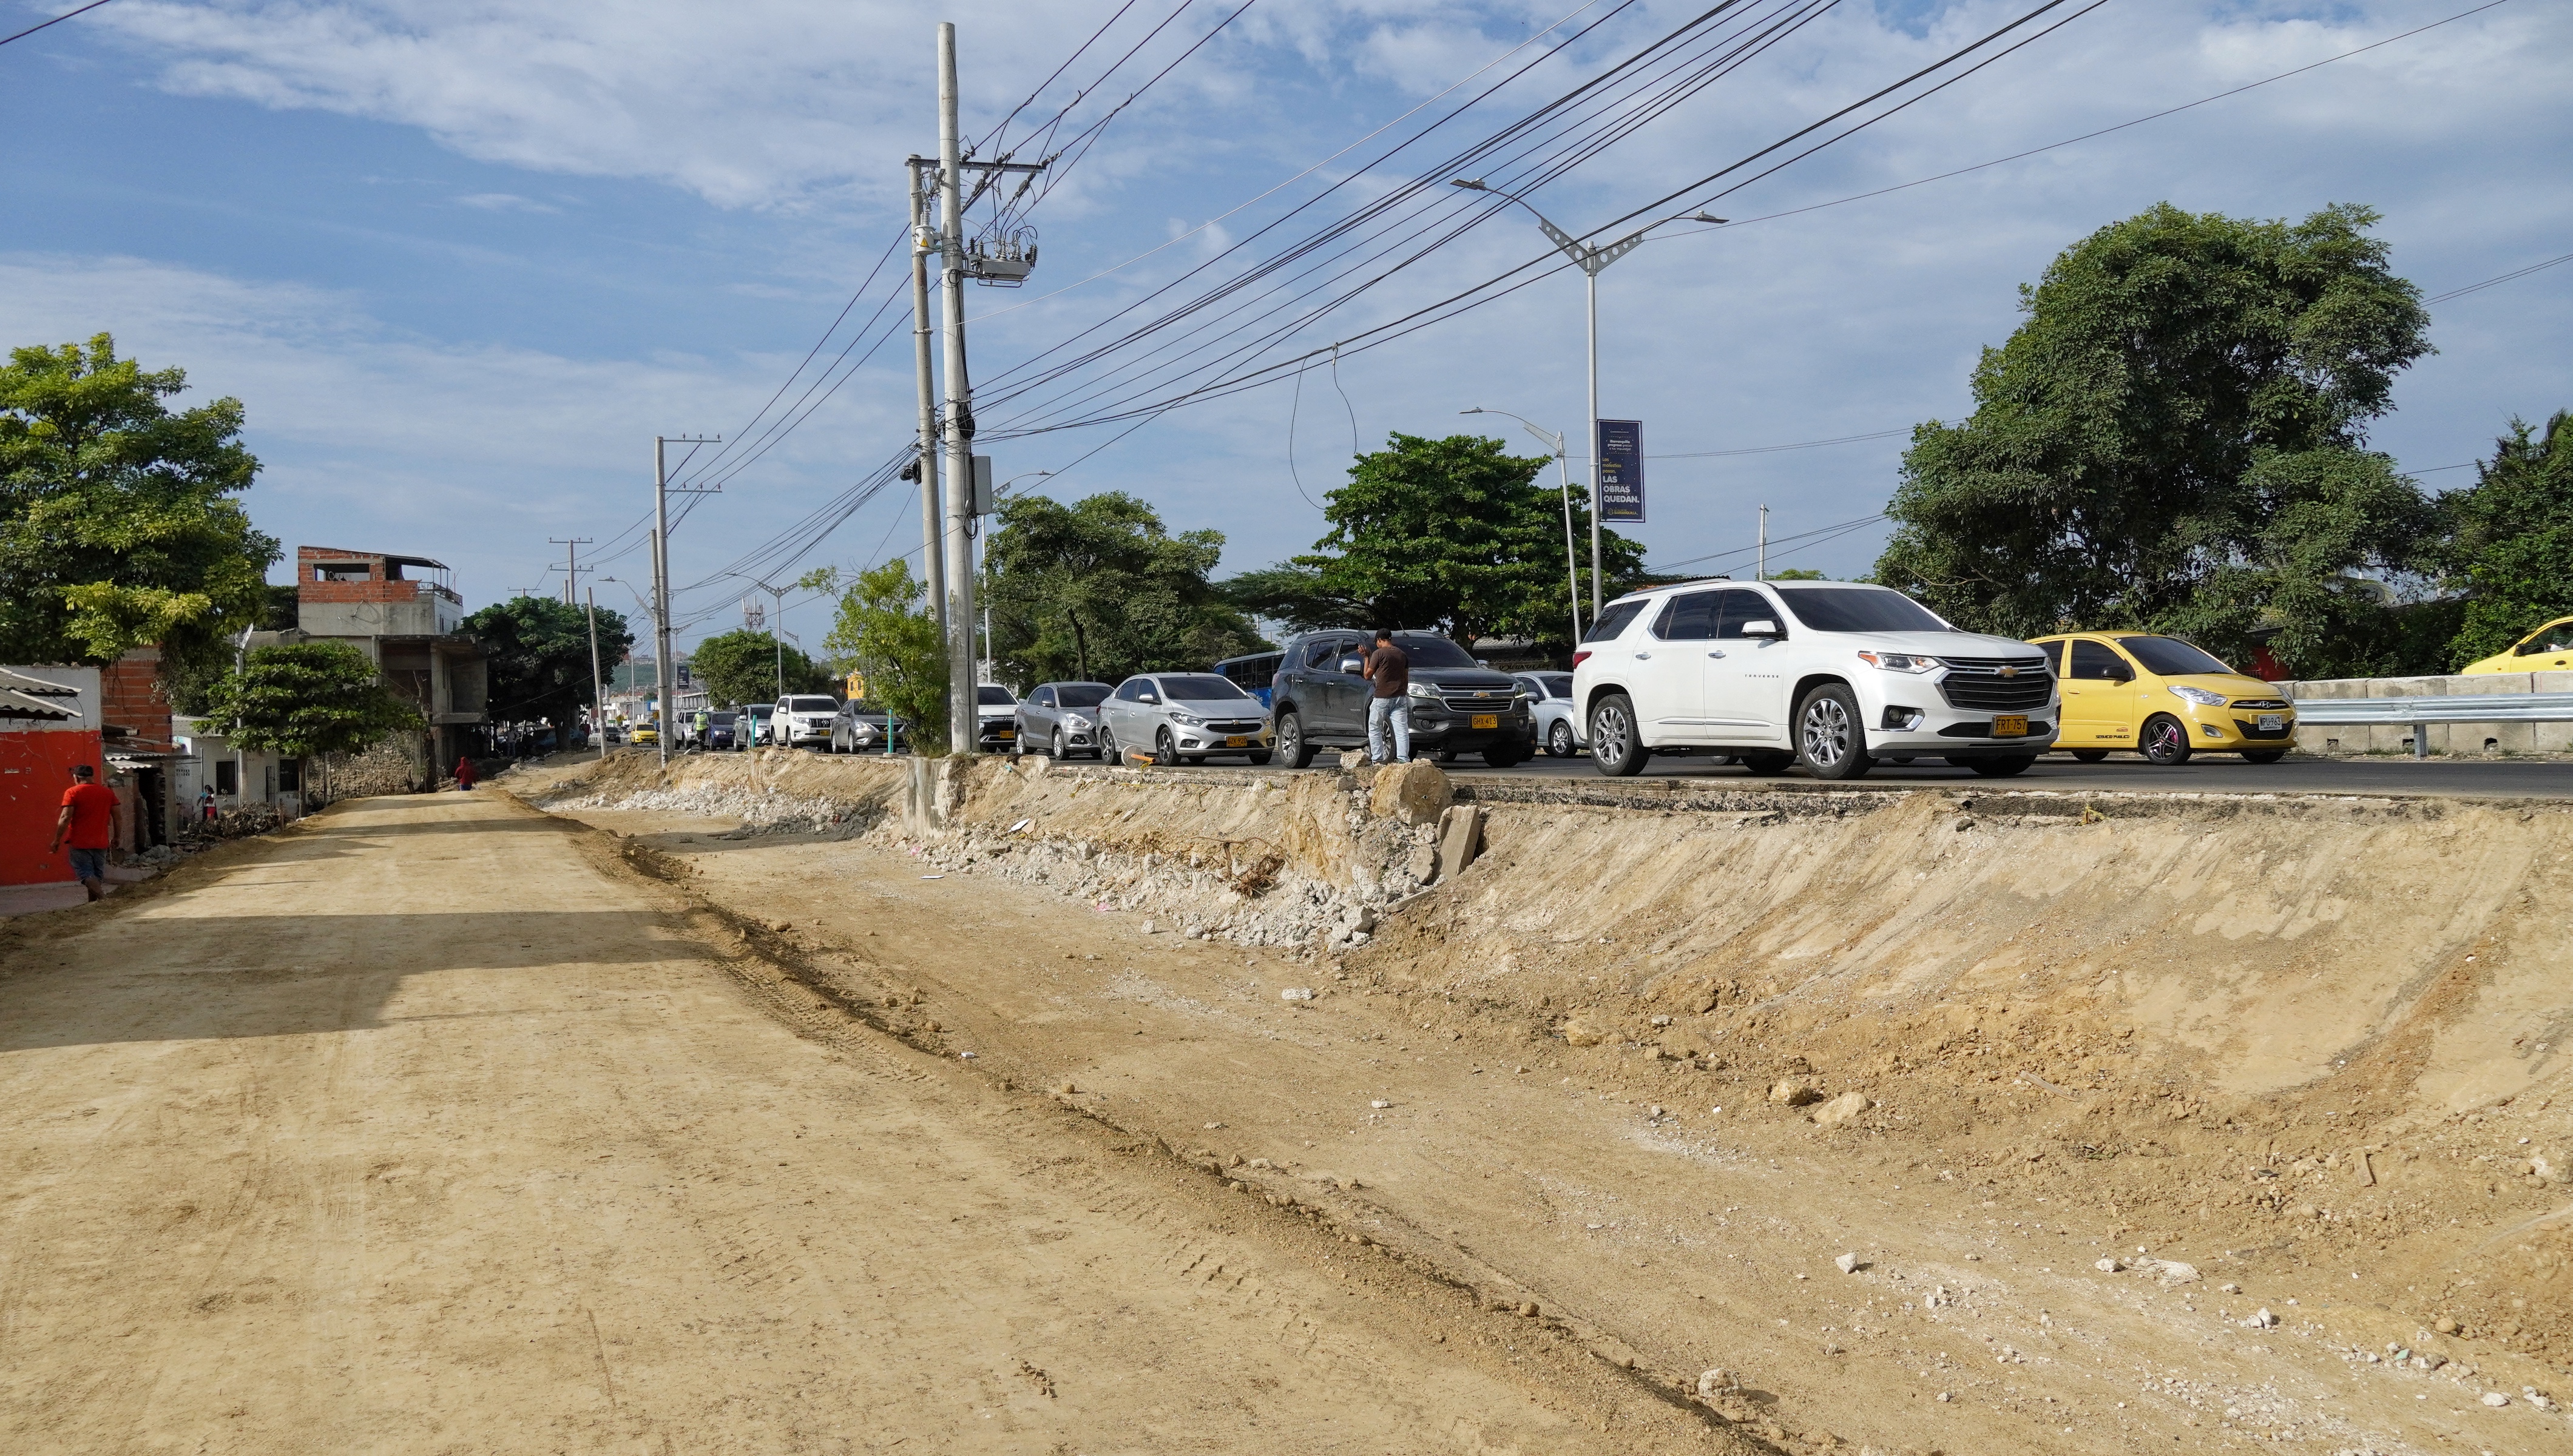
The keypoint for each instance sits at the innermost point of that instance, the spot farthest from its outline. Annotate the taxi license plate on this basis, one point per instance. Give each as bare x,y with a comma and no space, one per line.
2272,722
1487,720
2011,725
1005,732
1237,742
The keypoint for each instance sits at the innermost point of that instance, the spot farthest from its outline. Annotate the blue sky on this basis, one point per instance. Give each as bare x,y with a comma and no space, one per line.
462,260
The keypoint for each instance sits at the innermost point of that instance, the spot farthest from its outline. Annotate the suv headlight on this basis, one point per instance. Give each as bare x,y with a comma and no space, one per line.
1421,690
1901,661
2198,695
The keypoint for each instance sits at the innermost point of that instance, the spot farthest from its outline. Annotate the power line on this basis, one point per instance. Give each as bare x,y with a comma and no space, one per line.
57,20
2488,283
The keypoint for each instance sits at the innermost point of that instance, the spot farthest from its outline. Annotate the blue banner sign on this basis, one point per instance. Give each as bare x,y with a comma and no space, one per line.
1621,455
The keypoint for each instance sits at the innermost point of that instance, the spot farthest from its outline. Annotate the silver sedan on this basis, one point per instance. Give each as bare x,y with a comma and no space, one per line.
1182,717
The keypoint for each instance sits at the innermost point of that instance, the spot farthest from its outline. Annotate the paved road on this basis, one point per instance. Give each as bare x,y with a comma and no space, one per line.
416,1129
2211,774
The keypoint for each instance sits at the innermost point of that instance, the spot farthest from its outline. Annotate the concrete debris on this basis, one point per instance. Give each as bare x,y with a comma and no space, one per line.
2496,1399
2231,1289
2110,1266
1460,838
1413,793
1380,1103
1296,992
2262,1320
1840,1109
1150,929
2172,1271
1847,1264
1716,1383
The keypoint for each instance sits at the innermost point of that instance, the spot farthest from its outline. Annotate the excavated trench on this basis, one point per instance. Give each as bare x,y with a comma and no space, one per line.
2298,1032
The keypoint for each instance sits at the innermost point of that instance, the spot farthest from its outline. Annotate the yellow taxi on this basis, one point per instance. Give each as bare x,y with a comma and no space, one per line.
2548,649
2163,698
644,733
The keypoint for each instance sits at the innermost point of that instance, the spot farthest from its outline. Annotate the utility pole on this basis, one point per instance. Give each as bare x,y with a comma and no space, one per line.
776,622
572,567
1760,562
933,549
597,692
961,733
663,670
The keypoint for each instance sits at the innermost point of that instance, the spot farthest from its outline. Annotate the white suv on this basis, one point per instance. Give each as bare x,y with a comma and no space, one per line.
1831,674
802,719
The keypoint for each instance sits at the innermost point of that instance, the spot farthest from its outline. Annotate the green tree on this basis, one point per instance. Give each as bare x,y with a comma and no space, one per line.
118,526
303,699
742,666
1453,533
2174,439
1099,590
2510,542
884,633
539,655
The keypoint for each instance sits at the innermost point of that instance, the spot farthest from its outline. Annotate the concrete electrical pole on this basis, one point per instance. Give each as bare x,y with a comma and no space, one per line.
572,567
597,690
959,482
933,546
662,668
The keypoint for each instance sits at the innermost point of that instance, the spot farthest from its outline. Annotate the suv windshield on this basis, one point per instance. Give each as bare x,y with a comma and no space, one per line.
1428,649
2170,656
1200,687
993,695
1080,695
812,705
1859,609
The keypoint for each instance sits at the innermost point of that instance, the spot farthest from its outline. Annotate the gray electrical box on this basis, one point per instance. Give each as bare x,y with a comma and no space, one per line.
982,485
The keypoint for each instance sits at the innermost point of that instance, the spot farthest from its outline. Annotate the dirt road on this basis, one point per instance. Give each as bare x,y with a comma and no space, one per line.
426,1126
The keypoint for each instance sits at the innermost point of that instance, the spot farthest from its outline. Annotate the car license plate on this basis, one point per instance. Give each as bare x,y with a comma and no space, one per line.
2011,725
1487,720
2272,722
1005,732
1237,740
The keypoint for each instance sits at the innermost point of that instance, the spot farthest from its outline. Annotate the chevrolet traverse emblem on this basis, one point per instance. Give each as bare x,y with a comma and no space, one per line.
2009,671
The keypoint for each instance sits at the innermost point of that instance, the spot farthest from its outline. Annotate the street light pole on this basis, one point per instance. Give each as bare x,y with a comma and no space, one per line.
1571,562
1593,262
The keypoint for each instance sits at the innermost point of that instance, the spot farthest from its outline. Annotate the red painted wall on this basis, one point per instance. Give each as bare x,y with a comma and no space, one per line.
35,768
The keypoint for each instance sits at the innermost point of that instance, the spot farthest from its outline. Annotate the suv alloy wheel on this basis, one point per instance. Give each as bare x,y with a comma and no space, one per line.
1293,750
1614,745
1829,735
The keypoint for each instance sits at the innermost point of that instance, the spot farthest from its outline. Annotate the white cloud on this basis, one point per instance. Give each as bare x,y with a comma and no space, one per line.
505,202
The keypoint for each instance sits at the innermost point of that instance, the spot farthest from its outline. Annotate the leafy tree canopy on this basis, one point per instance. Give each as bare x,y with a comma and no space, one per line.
1099,590
2510,543
2174,439
539,655
302,699
742,666
118,526
883,631
1451,533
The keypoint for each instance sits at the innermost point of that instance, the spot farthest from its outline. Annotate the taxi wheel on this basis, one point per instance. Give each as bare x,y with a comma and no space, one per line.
2089,755
2164,741
2264,755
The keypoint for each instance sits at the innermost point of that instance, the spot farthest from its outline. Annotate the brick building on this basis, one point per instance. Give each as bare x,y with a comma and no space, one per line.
401,613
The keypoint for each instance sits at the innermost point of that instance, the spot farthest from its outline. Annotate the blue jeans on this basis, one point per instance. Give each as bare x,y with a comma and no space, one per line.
1397,712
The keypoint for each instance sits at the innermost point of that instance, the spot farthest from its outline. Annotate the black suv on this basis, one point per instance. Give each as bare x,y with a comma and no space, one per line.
1457,704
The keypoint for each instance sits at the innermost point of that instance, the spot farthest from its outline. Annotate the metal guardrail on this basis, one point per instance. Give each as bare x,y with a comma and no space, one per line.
2419,712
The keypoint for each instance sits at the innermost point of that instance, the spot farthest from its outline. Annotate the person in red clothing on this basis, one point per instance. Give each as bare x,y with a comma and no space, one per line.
465,775
89,818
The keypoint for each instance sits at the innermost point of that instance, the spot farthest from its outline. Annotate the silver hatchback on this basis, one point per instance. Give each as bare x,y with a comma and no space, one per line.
1182,717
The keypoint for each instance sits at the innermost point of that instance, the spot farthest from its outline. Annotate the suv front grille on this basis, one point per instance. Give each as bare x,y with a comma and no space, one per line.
1480,700
1976,684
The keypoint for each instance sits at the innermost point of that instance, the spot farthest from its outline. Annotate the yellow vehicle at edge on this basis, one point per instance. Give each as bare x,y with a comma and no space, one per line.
2548,649
2163,698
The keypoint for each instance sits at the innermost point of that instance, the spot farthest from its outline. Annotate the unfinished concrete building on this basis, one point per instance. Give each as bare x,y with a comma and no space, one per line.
400,611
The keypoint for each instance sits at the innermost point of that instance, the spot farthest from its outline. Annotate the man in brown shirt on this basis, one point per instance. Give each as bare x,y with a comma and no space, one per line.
1391,709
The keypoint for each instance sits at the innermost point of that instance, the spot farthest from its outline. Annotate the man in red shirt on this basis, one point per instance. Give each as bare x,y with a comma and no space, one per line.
89,818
